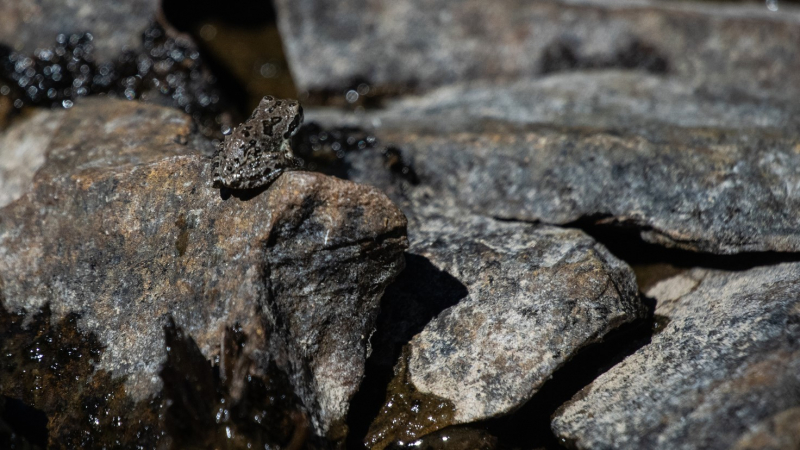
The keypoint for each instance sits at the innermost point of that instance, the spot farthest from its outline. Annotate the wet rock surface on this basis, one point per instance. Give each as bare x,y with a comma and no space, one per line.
123,228
532,297
32,24
724,368
430,43
164,67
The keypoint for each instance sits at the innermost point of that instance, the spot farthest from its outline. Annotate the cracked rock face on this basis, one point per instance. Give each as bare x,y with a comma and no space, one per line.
563,150
625,101
723,371
123,227
432,43
535,295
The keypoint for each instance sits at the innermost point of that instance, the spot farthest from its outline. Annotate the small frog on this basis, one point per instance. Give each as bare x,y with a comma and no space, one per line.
258,150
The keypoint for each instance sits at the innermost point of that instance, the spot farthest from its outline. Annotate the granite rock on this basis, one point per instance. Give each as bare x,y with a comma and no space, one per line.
123,228
421,44
33,24
534,295
624,101
565,150
780,431
22,151
725,364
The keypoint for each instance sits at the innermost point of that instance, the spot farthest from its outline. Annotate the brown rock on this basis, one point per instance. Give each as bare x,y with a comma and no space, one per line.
123,228
780,431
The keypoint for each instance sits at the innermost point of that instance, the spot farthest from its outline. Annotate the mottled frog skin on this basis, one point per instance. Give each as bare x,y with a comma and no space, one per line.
258,150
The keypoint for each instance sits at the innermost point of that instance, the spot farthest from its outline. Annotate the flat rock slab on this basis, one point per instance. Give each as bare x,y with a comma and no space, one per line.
33,24
422,44
706,188
123,228
535,295
725,365
655,106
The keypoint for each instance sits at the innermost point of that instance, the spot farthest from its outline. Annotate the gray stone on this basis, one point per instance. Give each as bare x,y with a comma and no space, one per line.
421,44
123,227
22,149
32,24
726,362
564,150
534,296
626,101
537,294
780,431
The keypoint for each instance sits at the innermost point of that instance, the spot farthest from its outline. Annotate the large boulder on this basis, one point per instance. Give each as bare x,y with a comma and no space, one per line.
723,367
533,296
123,228
422,43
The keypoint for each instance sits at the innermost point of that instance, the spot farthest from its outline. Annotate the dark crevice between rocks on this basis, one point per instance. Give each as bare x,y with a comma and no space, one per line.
240,42
418,295
21,425
185,14
653,262
226,405
564,55
242,194
352,153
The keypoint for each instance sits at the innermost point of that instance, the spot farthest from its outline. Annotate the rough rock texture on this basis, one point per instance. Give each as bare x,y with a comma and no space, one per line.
32,24
332,45
726,363
534,296
781,431
22,149
627,101
605,147
123,228
537,294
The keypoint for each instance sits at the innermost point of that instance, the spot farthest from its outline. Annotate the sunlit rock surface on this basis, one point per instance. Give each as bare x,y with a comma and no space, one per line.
123,228
622,100
534,296
421,44
633,150
725,365
22,150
